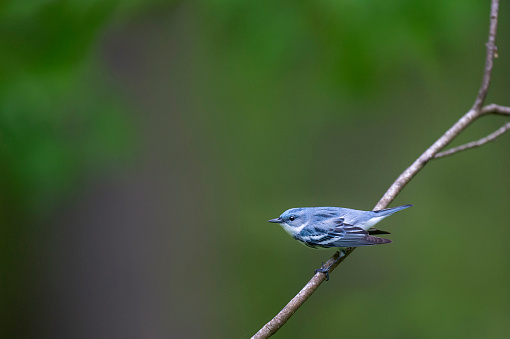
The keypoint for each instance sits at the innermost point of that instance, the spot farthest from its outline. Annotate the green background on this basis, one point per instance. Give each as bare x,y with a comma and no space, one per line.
145,144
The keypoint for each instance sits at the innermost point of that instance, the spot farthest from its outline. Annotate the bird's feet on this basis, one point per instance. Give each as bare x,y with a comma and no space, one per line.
324,270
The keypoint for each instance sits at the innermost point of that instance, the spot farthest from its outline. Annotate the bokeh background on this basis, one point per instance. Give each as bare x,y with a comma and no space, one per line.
144,145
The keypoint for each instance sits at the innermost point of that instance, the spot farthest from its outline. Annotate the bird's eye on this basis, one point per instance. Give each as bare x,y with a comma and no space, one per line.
291,218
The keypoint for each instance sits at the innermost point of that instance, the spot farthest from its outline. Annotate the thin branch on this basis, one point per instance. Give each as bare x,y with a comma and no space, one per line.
458,127
476,143
496,109
489,109
476,111
489,57
281,318
419,163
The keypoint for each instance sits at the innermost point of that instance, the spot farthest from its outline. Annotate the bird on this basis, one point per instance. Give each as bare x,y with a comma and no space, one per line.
334,227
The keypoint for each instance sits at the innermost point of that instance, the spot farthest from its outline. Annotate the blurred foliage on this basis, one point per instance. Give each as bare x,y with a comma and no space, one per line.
54,123
355,45
253,108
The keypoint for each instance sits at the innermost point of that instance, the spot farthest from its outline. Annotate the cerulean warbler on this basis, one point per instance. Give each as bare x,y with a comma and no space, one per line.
326,227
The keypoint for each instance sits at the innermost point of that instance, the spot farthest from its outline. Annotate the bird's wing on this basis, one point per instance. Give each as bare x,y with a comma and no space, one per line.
336,233
353,236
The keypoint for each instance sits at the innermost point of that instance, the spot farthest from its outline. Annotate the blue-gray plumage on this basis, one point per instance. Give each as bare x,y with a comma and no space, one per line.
326,227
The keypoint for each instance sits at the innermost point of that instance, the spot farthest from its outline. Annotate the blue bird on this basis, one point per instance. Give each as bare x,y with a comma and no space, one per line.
327,227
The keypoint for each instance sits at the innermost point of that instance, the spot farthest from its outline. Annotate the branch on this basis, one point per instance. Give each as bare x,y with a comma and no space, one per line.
459,126
476,111
496,109
474,144
489,109
489,57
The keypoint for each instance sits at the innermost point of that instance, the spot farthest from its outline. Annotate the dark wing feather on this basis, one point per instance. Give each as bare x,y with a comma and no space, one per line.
354,236
373,231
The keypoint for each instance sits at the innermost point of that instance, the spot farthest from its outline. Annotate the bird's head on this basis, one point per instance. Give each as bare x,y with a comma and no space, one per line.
292,219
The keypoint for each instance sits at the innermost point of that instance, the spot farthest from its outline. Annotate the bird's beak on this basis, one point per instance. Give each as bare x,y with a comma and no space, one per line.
276,221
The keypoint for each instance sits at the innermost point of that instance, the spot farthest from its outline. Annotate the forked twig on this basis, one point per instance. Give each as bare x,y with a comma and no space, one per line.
476,143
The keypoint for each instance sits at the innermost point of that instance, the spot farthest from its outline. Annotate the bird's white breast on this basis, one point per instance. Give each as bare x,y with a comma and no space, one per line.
293,230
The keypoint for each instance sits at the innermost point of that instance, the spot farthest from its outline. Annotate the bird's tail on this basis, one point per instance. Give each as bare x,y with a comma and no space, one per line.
389,211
